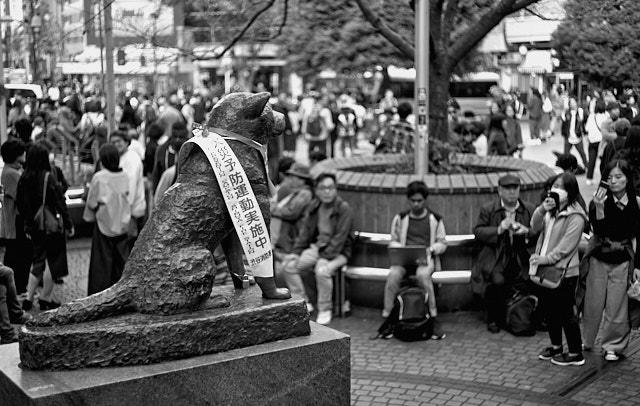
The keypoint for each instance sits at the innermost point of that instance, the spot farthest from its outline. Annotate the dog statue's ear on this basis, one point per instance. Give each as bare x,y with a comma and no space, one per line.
257,102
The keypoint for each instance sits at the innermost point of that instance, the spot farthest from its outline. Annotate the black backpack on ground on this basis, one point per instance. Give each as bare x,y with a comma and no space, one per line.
520,310
409,319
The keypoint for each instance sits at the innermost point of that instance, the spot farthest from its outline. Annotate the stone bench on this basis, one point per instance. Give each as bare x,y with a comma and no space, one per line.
367,283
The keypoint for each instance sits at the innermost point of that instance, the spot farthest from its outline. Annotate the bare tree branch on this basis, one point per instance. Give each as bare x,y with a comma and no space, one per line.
282,23
246,27
468,39
540,16
395,39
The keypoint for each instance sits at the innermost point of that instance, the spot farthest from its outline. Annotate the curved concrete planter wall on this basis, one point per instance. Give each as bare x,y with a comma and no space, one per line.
377,197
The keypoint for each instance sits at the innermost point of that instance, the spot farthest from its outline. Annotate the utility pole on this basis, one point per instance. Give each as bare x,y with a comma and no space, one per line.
110,86
422,86
3,100
101,44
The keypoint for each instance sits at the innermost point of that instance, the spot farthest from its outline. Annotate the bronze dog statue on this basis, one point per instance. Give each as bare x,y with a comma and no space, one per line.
171,267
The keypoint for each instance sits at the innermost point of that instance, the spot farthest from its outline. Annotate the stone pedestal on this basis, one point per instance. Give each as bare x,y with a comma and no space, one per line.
306,370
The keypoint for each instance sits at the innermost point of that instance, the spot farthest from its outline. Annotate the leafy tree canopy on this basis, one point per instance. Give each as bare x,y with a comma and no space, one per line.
598,39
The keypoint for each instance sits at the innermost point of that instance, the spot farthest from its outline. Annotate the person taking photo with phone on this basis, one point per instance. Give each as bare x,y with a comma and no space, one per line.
614,213
560,219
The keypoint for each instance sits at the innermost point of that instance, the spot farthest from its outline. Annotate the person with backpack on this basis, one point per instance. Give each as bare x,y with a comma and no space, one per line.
398,138
573,130
93,131
503,230
317,126
346,126
417,226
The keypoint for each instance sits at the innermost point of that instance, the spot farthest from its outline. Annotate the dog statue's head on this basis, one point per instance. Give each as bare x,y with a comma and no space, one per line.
247,114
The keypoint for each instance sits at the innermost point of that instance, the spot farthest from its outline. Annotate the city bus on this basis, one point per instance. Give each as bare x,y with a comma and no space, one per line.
471,91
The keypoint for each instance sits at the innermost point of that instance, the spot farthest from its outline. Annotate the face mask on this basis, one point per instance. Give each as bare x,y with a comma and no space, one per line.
562,195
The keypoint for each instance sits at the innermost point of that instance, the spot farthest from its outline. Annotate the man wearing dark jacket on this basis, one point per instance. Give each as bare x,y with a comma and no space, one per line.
322,246
503,229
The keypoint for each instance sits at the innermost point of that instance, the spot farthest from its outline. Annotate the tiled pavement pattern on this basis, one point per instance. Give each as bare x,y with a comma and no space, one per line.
469,367
474,367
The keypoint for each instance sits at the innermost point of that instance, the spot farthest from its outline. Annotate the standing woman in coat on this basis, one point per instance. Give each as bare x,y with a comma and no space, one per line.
560,225
615,216
49,249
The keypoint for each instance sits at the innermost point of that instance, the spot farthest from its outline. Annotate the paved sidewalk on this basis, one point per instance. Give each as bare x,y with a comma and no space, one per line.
474,367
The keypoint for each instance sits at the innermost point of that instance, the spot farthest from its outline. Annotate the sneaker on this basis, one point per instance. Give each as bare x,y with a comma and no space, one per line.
437,334
549,353
324,317
310,307
25,317
27,305
385,314
611,356
566,359
493,328
47,305
589,182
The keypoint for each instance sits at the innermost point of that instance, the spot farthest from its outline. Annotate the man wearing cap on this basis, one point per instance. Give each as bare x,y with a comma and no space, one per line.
503,230
289,210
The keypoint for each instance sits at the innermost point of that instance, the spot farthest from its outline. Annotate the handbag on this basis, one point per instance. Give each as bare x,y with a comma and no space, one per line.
549,276
46,220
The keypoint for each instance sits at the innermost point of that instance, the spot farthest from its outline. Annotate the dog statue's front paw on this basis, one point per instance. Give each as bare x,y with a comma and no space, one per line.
270,290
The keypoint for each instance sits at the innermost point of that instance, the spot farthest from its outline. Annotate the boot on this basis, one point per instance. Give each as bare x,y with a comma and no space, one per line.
269,289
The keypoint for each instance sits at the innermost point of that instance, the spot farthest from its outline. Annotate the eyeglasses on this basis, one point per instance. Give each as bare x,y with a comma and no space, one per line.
326,188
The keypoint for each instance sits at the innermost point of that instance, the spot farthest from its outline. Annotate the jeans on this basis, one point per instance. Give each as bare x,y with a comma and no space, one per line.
593,156
534,125
559,308
580,147
423,275
9,305
310,261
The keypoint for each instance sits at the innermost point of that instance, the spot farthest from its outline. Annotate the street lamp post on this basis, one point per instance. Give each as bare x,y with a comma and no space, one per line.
36,25
422,86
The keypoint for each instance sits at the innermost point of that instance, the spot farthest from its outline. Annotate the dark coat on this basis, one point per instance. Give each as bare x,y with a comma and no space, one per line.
497,249
566,123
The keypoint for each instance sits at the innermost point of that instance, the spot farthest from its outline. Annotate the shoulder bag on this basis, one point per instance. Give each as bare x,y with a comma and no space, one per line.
46,220
550,276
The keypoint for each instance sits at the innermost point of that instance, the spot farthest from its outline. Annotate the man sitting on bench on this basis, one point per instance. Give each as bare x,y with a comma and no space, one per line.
417,226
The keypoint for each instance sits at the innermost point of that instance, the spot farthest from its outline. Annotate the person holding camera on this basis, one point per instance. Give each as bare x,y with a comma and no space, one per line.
615,215
560,220
503,230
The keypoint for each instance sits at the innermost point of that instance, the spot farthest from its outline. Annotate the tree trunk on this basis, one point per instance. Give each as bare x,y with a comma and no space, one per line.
439,94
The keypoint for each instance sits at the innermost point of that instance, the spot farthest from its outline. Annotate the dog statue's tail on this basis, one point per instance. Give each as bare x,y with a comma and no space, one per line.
112,301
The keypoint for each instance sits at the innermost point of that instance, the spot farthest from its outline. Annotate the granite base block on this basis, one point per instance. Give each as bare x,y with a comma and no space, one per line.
308,370
232,318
